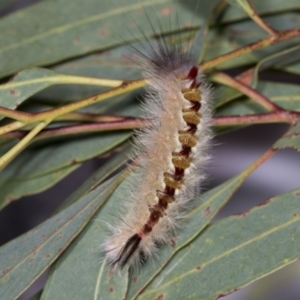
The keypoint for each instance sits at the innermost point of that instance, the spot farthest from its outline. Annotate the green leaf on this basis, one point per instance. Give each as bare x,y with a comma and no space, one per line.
117,63
28,83
40,166
211,203
95,281
244,106
294,68
43,158
85,258
291,139
51,31
13,189
26,257
278,60
110,166
241,4
285,95
109,64
233,252
24,85
198,47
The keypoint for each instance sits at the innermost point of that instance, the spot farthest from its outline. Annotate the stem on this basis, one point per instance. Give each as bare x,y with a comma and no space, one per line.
247,90
273,117
11,126
257,19
14,151
89,117
281,36
84,128
62,110
125,123
128,86
14,114
70,79
59,111
64,79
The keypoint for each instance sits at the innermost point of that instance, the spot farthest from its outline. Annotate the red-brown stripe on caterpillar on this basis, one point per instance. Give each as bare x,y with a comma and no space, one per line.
172,151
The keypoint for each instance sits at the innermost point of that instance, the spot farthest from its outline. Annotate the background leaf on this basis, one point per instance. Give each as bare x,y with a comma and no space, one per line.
233,252
69,30
200,260
29,255
40,166
291,139
95,281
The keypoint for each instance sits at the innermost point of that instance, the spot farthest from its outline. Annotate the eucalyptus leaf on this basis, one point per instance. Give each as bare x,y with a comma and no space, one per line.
96,281
233,253
291,138
37,249
14,189
201,259
52,31
106,171
293,68
240,4
285,95
38,167
28,83
279,60
45,157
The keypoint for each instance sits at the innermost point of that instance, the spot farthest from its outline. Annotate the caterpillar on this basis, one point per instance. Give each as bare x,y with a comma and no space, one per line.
173,151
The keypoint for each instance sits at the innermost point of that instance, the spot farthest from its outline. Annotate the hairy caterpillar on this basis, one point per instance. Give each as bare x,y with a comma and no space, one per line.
172,151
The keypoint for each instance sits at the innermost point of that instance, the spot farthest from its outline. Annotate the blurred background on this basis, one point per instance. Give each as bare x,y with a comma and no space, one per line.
232,152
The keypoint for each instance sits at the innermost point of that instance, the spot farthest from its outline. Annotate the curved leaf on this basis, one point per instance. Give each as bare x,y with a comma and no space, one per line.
26,84
95,281
39,167
233,252
291,139
285,95
51,31
29,82
294,68
26,257
43,158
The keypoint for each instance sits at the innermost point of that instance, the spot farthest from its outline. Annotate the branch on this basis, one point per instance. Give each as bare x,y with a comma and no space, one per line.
247,90
281,36
257,19
129,123
273,117
14,151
